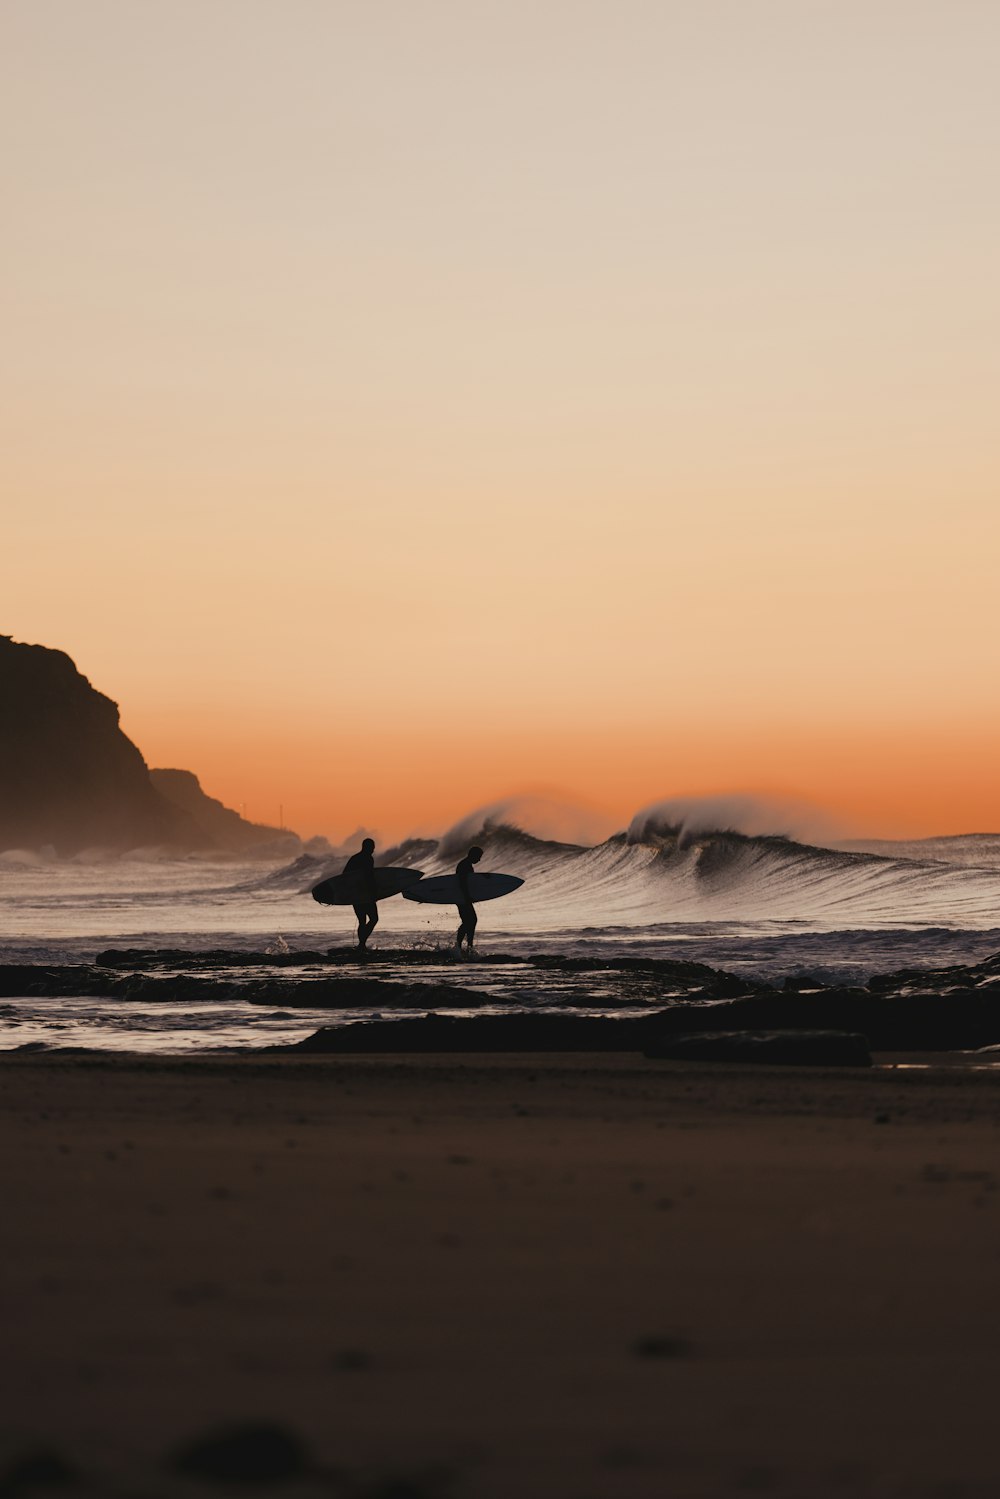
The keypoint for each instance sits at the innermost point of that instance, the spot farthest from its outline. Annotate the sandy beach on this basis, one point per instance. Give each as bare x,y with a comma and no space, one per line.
576,1276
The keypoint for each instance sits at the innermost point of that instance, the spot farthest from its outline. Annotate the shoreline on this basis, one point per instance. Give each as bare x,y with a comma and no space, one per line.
548,1002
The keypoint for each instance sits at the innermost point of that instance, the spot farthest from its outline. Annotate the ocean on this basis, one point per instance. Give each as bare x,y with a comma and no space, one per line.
575,935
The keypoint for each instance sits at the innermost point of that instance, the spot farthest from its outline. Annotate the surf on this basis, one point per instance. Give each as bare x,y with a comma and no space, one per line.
669,874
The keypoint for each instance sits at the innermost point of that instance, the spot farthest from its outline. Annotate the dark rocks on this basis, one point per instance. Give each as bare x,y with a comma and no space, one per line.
936,980
694,978
791,1048
566,1033
215,957
844,1028
47,981
727,986
27,980
955,1009
699,978
486,1033
959,1020
363,993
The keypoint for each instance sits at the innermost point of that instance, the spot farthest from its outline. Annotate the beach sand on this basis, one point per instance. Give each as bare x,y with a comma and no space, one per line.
576,1276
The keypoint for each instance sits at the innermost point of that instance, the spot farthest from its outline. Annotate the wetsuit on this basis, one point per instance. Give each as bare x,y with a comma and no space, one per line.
466,909
362,865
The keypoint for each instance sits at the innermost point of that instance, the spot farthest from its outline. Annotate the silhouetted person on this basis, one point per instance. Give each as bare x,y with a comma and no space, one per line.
362,864
466,908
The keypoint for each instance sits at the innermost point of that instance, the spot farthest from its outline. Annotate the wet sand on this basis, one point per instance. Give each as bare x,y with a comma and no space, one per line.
576,1276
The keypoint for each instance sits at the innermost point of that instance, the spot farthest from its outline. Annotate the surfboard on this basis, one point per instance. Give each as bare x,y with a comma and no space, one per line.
443,889
349,889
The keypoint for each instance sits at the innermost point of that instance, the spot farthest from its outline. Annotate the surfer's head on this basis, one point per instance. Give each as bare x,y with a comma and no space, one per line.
368,847
475,854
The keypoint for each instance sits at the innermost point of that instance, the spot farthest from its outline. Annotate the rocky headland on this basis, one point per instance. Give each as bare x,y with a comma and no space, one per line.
70,779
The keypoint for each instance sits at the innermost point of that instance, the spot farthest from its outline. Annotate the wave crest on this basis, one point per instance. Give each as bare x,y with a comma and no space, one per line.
683,818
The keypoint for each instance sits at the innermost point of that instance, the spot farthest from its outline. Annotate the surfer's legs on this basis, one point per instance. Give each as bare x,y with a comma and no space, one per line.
468,928
367,922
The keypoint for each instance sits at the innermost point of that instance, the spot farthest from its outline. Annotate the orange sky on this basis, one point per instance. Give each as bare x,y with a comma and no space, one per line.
406,405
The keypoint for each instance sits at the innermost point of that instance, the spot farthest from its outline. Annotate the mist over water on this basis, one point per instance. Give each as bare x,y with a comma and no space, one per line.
545,816
687,817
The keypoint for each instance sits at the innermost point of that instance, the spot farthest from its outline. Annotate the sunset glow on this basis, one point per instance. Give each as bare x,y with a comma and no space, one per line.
408,406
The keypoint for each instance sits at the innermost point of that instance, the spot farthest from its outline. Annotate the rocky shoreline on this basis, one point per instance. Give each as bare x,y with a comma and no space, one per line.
673,1007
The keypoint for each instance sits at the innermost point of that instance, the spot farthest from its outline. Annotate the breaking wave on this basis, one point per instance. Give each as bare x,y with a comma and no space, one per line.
659,872
688,816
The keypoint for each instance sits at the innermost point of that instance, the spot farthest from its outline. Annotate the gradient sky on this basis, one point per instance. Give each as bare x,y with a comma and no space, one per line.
406,404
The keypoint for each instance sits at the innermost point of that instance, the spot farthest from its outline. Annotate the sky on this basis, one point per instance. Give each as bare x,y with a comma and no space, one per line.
405,406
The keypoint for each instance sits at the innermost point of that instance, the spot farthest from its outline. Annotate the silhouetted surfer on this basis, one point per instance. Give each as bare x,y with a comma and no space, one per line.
362,864
466,909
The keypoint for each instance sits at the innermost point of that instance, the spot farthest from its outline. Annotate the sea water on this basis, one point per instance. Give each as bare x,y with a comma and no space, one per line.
764,908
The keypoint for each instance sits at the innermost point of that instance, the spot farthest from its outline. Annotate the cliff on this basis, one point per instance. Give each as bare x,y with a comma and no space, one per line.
70,779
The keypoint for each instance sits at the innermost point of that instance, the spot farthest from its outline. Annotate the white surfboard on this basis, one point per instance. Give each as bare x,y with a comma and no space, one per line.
444,889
